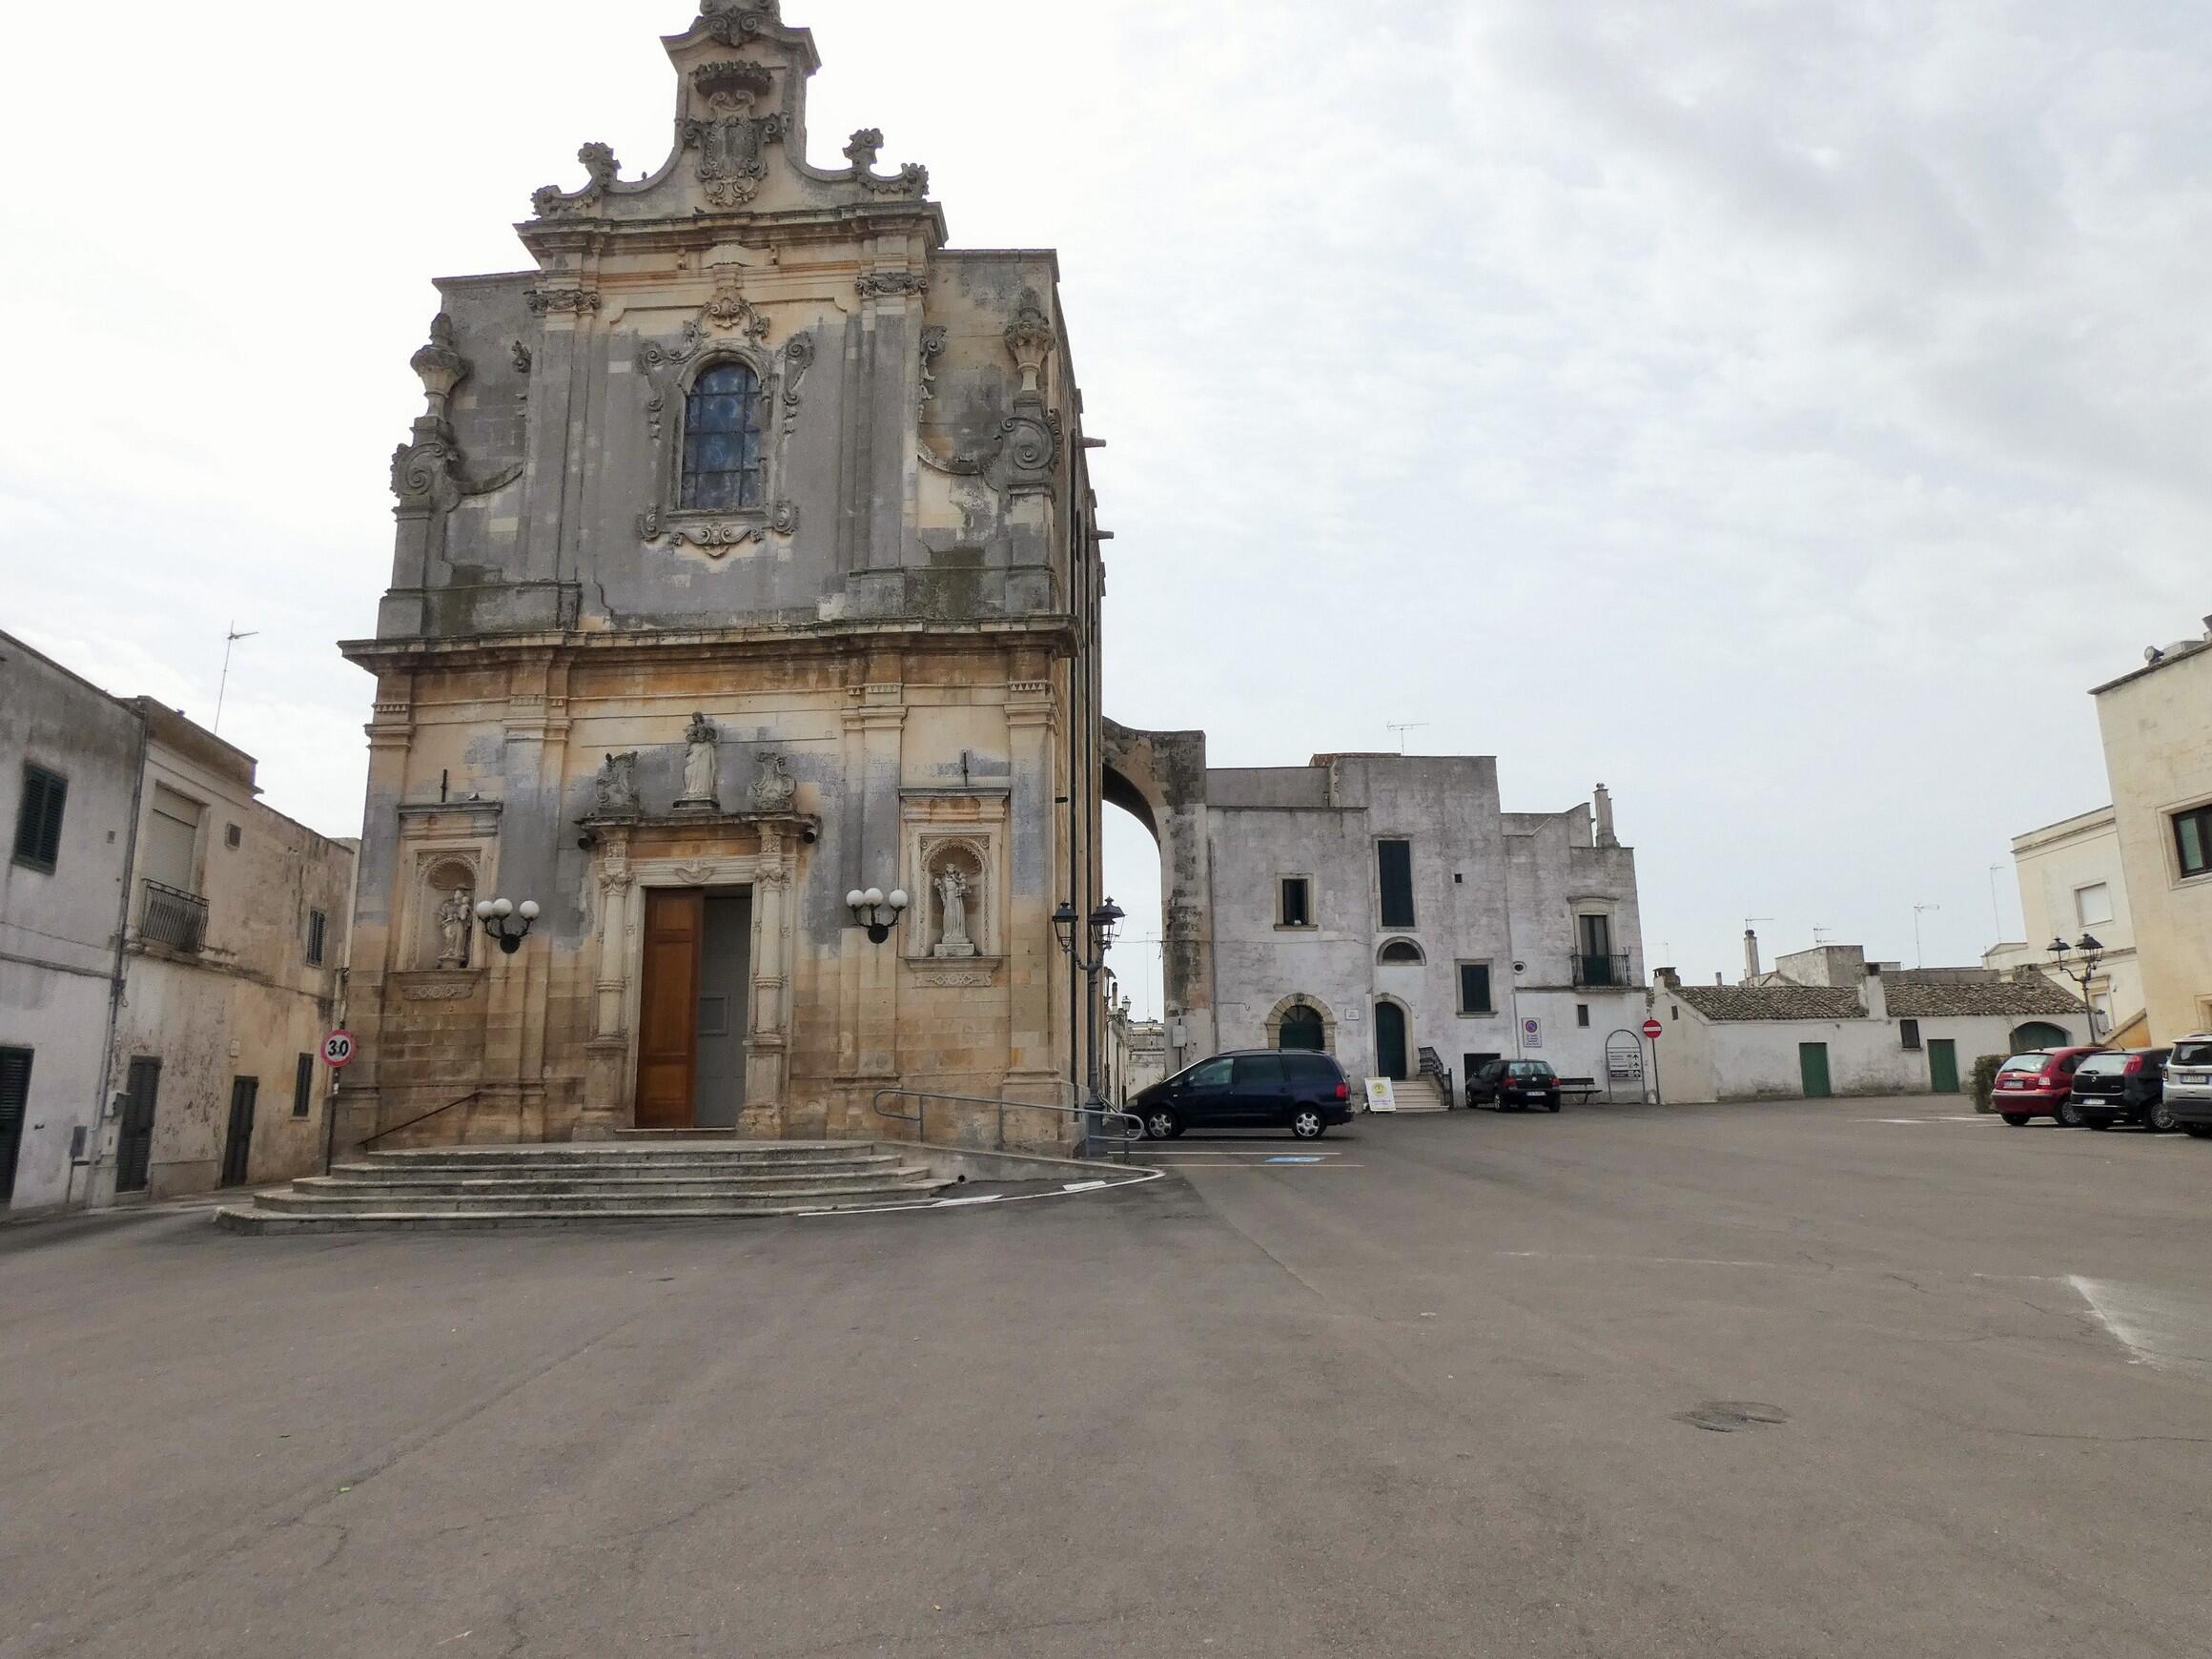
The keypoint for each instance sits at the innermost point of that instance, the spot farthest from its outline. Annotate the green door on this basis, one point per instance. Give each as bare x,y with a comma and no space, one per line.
1943,1065
1812,1067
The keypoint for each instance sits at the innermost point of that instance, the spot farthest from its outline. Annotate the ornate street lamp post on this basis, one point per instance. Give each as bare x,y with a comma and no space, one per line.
878,911
1103,922
2092,954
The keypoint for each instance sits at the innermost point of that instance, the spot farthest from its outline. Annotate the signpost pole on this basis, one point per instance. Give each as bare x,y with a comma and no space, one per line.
1652,1030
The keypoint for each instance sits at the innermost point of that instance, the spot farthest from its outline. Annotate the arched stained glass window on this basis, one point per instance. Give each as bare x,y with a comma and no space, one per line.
721,441
1301,1030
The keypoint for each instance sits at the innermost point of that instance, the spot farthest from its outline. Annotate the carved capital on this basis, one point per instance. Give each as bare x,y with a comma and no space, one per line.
561,301
891,284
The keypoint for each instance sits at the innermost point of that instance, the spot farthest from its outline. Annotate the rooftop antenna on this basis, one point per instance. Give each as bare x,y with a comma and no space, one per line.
1919,956
1402,728
223,685
1820,935
1997,920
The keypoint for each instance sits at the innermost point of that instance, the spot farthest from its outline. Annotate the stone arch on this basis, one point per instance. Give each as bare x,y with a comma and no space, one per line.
2039,1034
1299,1001
1400,953
1159,779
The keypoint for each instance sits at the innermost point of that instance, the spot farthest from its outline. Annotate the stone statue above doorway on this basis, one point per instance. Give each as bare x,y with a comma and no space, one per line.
952,934
700,762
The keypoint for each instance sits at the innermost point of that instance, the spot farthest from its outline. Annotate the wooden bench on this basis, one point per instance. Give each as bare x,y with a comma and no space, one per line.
1580,1090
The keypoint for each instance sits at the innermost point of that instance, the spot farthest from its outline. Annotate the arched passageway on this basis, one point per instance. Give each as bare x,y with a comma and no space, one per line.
1159,779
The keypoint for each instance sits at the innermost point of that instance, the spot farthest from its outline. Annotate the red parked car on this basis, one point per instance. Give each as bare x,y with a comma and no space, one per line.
2037,1084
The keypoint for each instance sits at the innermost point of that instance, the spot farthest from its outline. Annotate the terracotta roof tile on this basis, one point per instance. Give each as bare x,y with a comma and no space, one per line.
1729,1004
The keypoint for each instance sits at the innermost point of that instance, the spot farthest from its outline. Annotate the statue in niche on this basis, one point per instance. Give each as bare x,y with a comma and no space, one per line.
617,787
700,761
773,789
454,917
953,933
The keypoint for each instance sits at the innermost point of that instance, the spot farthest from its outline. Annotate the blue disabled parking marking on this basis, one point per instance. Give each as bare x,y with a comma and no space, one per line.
1293,1160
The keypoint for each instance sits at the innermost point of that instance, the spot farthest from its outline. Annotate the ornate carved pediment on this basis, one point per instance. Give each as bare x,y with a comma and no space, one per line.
891,284
733,22
575,301
733,134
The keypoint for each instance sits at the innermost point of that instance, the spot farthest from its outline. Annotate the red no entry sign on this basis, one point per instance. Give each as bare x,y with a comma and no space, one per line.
1653,1027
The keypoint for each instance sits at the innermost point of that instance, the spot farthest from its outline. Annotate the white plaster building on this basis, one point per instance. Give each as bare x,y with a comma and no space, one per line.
2157,723
1384,908
2072,881
171,954
70,758
1827,1022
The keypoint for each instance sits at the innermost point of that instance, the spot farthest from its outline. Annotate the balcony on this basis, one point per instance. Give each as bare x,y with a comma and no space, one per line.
1600,972
171,917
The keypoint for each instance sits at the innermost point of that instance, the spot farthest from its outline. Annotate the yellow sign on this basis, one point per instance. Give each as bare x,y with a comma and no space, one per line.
1380,1098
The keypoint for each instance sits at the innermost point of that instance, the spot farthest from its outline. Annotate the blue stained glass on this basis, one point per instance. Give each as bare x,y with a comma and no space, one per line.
722,465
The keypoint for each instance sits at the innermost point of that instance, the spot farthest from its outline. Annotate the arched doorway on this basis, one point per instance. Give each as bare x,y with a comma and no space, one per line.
1300,1029
2039,1034
1390,1049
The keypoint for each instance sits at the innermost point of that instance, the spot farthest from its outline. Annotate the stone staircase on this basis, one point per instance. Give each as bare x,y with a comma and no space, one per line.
459,1187
1419,1093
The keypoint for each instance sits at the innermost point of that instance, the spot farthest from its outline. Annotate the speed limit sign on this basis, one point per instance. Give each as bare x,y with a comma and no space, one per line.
338,1049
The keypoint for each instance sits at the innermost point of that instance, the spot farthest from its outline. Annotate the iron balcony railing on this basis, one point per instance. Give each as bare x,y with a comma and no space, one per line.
169,915
1596,971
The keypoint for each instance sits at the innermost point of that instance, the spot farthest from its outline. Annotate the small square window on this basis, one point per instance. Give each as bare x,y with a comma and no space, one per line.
1297,902
38,818
1909,1032
318,934
1457,878
1582,1013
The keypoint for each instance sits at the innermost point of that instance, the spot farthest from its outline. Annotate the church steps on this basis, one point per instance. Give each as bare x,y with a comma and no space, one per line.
701,1201
646,1186
453,1187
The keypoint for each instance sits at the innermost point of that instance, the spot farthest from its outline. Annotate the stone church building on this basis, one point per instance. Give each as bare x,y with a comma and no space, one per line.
746,562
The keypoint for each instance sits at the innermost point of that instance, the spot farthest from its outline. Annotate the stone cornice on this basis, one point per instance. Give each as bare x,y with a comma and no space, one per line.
1053,632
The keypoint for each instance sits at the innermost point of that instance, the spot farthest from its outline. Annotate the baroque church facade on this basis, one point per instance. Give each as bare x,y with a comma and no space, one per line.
746,562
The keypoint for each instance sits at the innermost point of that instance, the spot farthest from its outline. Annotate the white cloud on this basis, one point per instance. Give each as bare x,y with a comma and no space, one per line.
1820,389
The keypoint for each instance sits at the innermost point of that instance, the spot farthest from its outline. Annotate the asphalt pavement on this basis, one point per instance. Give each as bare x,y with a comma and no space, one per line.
1852,1378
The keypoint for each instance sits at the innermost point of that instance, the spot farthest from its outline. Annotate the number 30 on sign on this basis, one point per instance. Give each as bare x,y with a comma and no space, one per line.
338,1049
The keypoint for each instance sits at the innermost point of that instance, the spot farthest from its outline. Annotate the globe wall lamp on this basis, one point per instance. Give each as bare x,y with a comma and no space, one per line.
2092,954
878,911
497,914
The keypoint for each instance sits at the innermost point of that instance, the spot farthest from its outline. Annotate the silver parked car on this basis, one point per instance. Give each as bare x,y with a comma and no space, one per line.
2190,1084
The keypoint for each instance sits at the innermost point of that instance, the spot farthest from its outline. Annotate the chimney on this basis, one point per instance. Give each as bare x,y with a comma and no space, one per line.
1602,804
1750,956
1668,978
1874,994
1717,980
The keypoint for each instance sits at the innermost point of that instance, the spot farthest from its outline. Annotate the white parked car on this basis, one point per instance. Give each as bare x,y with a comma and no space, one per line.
2189,1083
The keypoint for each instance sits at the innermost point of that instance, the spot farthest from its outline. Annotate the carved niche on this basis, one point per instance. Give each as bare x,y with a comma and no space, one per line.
957,917
446,906
730,328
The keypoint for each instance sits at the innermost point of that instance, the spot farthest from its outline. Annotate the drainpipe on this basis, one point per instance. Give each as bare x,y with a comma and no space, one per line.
122,929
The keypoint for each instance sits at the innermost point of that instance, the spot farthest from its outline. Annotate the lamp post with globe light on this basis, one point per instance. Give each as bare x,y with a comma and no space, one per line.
497,914
1103,920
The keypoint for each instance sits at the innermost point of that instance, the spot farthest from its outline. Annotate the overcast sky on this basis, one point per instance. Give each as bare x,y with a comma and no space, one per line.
1781,412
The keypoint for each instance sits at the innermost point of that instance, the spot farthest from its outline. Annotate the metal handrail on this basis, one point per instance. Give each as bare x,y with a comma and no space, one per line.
919,1116
424,1118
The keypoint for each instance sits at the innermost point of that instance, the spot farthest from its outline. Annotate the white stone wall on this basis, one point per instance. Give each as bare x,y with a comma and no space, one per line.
1702,1059
2052,866
58,927
1487,887
2158,755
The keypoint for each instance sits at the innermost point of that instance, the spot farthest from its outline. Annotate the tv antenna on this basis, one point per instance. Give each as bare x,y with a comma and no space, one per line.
1402,728
1920,956
223,685
1996,917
